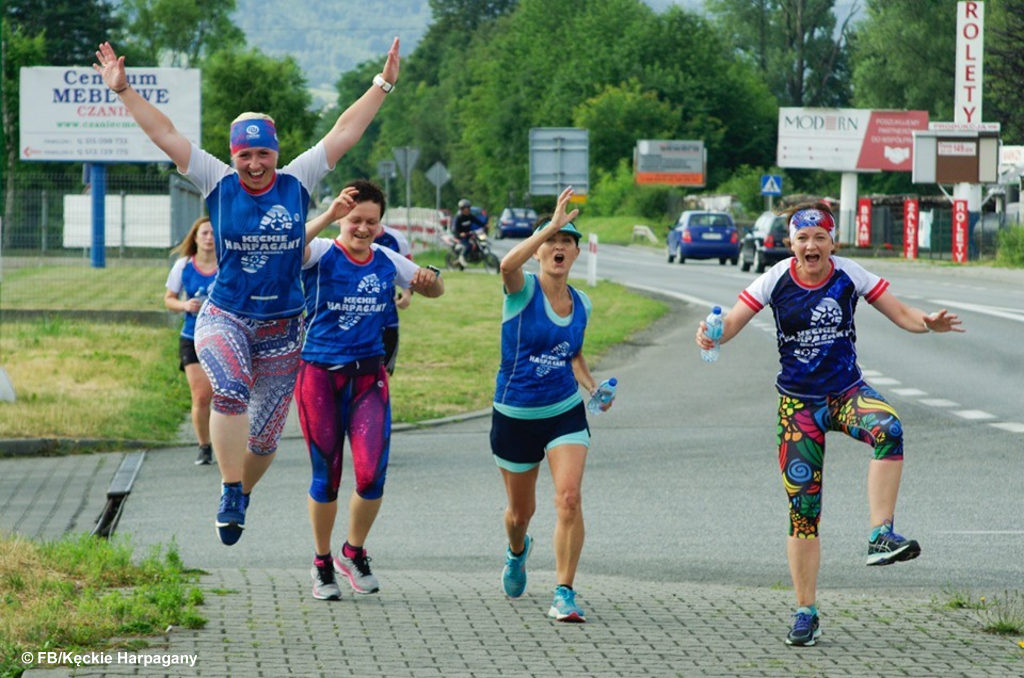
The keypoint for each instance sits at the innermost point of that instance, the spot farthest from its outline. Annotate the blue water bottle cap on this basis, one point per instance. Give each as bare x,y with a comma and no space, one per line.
613,381
717,310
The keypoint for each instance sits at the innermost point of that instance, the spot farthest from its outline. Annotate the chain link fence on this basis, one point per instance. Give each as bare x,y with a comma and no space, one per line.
46,239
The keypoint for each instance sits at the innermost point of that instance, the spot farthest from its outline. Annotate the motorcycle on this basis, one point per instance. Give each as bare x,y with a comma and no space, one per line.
479,252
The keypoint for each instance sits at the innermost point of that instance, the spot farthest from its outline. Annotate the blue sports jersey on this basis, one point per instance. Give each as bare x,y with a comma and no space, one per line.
260,237
537,348
346,301
395,241
186,277
814,325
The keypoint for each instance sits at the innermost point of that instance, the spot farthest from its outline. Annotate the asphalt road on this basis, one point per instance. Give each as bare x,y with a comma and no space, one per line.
682,482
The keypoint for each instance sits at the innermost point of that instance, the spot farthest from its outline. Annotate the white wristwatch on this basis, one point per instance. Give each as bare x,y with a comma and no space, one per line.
379,81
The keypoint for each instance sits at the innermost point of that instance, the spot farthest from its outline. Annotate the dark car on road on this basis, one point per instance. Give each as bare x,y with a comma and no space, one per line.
704,235
515,222
765,244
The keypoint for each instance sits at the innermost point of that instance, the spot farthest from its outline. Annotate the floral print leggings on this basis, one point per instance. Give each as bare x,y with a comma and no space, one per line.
860,412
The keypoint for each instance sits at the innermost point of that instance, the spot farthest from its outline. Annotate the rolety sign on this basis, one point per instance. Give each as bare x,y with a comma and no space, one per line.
69,114
848,139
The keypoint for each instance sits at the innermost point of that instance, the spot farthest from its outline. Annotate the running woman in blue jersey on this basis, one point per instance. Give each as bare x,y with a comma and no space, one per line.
395,240
249,333
537,406
188,285
813,296
342,386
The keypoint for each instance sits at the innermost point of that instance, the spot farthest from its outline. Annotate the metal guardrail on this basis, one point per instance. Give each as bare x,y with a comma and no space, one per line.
117,493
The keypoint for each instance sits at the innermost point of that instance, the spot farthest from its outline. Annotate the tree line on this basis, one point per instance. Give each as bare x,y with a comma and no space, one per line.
487,71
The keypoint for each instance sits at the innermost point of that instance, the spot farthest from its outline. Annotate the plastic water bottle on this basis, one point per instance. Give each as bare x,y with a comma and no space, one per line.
713,332
602,396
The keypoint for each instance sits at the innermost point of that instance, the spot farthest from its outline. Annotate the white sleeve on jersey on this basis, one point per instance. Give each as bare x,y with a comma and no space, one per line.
869,285
317,248
206,170
174,283
405,269
309,167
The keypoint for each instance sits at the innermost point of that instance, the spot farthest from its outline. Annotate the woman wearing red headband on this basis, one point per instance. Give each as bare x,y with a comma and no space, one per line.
813,295
249,332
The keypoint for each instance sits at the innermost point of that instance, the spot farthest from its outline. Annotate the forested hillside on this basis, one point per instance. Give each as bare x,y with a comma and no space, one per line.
329,37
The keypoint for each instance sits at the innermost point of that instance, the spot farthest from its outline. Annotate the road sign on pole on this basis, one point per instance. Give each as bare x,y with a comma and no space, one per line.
771,184
386,169
559,157
406,157
439,176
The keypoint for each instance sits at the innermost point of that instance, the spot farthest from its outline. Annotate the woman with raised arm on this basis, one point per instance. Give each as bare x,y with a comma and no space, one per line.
813,295
538,410
249,333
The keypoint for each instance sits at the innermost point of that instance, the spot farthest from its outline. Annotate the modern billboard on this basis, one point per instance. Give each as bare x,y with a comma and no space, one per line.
67,113
848,139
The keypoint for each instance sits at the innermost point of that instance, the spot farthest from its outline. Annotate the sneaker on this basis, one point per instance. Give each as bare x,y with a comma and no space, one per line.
513,577
325,587
564,607
231,514
205,457
806,628
889,547
357,571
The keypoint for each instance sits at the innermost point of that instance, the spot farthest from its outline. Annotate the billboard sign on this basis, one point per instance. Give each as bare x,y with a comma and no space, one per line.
848,139
559,157
911,212
67,113
864,222
669,162
970,70
960,221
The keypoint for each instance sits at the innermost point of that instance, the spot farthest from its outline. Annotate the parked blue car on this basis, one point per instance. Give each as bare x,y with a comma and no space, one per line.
515,222
704,235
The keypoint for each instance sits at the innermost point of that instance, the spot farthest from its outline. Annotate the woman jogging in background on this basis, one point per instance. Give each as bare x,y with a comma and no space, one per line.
396,241
249,333
813,296
342,388
537,406
188,285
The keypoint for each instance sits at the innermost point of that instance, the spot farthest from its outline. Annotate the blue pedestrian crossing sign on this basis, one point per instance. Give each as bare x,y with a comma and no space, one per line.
771,184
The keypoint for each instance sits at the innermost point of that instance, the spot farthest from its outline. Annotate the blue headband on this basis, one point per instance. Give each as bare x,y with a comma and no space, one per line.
812,217
253,133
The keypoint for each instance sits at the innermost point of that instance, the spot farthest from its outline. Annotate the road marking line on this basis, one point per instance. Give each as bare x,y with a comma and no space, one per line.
983,532
974,414
939,402
885,381
1011,426
870,373
997,311
909,392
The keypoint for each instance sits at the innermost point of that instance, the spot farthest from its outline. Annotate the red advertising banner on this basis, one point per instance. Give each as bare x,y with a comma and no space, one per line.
960,221
911,210
864,222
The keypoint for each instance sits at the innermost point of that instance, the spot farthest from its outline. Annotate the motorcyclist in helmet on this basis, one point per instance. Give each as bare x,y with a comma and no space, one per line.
462,227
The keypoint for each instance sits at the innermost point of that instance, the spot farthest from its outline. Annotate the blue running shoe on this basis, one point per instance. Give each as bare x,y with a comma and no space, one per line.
513,577
806,628
231,514
564,607
888,547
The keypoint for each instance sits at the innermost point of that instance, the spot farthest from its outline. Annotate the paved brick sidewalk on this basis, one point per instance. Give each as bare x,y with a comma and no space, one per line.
264,622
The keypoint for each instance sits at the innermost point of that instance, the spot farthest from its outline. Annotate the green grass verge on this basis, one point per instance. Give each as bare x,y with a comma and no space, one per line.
78,379
80,592
138,287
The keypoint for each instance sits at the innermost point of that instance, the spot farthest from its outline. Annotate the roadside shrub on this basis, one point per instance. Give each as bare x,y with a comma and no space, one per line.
1010,250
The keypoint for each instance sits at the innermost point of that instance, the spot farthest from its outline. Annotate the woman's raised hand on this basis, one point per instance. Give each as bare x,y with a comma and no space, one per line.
111,67
390,72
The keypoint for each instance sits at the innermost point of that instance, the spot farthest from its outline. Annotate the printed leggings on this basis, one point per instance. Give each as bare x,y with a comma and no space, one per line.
860,412
251,365
332,403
